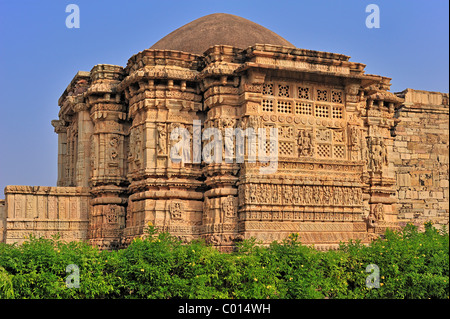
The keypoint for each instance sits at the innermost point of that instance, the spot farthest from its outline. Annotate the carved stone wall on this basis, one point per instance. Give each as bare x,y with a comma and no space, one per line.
46,211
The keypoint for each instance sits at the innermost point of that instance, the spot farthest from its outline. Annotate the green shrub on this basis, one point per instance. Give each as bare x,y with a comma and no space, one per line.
412,264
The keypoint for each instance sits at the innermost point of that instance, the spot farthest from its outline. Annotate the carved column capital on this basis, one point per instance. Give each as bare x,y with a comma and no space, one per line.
59,125
78,107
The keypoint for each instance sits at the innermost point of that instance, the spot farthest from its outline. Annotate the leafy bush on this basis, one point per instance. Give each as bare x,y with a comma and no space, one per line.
411,265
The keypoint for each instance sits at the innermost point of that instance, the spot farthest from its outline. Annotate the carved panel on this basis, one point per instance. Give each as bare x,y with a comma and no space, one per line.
229,207
176,210
301,195
162,138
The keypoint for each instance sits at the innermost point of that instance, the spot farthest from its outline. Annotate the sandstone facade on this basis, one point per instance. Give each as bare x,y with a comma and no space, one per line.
353,158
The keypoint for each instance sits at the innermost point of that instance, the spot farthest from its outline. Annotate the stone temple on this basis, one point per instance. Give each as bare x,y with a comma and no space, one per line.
352,158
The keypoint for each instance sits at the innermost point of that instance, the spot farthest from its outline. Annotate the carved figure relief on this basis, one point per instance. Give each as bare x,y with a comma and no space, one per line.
254,121
305,143
227,123
378,156
316,195
136,146
162,139
111,214
175,210
114,144
378,211
355,143
376,216
229,208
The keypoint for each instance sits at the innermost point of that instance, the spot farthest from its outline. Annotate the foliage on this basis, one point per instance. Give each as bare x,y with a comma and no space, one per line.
412,264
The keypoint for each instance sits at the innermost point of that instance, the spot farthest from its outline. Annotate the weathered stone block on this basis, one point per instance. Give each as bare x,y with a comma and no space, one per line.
404,180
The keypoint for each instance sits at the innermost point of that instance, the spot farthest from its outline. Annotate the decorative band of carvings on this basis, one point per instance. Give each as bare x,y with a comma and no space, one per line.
219,228
64,234
164,194
300,195
185,229
301,216
301,227
47,190
332,238
345,167
33,225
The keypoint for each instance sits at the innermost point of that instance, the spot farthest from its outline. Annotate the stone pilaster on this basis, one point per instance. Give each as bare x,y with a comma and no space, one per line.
61,130
85,130
107,147
380,179
222,106
163,190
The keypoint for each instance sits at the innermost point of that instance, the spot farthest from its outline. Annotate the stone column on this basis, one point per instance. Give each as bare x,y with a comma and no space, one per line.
85,130
107,160
61,130
222,105
380,178
162,190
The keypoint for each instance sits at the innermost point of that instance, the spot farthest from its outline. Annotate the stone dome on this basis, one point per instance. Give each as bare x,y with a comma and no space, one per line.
218,28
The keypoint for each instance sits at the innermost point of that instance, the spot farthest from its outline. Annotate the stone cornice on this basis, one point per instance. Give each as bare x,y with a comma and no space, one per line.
47,190
81,75
59,125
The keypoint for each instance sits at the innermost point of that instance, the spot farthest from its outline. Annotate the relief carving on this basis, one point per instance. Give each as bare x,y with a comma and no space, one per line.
162,139
175,210
305,143
111,215
229,208
315,195
378,155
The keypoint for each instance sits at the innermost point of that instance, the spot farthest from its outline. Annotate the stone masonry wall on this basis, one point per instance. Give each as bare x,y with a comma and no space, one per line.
2,220
44,211
421,157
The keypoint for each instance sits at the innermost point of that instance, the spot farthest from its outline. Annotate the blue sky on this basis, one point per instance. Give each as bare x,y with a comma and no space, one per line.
39,55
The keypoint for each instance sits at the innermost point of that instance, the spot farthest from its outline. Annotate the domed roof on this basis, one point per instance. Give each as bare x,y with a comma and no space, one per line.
218,28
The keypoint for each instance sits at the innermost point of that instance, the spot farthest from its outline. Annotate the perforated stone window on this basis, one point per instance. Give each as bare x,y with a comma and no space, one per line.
284,107
339,151
283,90
322,95
324,150
286,148
267,89
304,93
321,111
331,143
267,105
270,147
303,108
303,99
336,97
337,112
